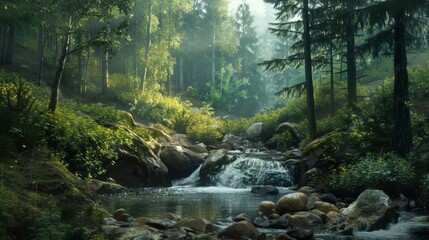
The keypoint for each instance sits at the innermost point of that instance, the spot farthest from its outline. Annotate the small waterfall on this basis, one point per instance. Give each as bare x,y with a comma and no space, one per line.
191,181
245,172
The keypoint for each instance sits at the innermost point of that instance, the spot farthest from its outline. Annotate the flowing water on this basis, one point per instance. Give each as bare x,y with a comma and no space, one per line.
229,196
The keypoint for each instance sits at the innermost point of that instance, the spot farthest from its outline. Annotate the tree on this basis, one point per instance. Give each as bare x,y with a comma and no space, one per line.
397,22
287,10
74,13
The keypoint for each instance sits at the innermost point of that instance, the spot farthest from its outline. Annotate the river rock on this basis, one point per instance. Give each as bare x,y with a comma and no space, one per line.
371,211
299,233
325,207
292,202
265,190
420,219
312,201
241,217
162,224
328,197
258,132
198,148
134,233
332,216
284,236
180,161
240,230
102,187
120,215
267,207
320,214
298,220
212,165
311,217
198,225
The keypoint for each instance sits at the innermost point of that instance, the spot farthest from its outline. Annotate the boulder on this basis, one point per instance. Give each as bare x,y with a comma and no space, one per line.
328,197
292,202
102,187
299,233
241,217
198,225
233,142
138,168
120,215
332,216
371,211
212,165
323,216
325,207
180,161
311,217
284,236
267,207
258,132
265,190
134,233
291,128
198,148
333,145
239,230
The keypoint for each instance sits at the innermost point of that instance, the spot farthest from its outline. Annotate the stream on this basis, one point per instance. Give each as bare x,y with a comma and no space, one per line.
228,197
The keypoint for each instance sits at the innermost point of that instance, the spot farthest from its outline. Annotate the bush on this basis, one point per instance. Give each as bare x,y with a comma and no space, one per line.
424,186
20,121
85,146
207,134
386,172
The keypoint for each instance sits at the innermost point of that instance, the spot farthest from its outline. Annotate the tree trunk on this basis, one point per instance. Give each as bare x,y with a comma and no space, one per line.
87,61
41,54
148,44
311,113
10,42
170,21
2,41
351,59
331,66
55,89
402,134
214,51
181,84
79,64
104,70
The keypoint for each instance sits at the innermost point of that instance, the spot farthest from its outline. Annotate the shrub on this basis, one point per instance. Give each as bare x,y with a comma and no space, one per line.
85,146
424,186
20,121
387,172
207,134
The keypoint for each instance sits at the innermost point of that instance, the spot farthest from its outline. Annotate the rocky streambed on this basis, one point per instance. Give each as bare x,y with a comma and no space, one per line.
301,214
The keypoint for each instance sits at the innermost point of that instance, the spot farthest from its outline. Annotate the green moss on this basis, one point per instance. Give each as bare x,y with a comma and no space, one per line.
41,199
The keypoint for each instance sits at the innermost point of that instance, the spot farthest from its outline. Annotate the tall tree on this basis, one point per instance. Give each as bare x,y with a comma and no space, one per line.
286,10
396,22
73,13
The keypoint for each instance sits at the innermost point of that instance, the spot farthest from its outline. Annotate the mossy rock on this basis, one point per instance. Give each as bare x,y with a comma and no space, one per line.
332,146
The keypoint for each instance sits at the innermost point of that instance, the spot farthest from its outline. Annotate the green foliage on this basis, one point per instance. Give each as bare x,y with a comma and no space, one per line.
207,134
387,172
419,81
19,122
424,186
85,146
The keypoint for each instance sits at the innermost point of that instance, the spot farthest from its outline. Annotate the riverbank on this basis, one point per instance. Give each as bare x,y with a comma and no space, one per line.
180,214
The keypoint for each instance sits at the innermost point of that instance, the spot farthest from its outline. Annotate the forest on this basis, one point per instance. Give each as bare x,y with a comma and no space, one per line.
214,119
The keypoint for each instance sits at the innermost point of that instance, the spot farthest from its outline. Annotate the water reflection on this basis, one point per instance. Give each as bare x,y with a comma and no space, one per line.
205,202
